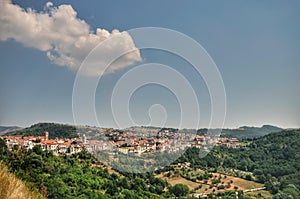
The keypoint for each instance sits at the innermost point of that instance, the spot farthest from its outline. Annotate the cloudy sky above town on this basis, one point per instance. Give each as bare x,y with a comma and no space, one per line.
255,45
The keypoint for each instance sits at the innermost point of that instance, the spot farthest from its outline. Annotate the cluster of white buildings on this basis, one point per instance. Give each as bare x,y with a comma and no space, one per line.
126,143
58,146
139,143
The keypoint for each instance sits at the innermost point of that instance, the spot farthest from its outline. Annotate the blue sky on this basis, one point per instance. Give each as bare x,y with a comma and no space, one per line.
255,44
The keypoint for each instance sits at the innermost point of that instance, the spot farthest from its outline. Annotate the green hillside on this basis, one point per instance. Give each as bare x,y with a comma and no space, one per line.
13,188
55,130
78,176
273,159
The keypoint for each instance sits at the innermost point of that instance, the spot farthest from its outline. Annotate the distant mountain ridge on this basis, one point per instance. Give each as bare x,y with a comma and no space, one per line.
245,132
70,131
264,127
7,129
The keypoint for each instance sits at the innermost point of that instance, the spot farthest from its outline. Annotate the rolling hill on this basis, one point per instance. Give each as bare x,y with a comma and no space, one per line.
55,130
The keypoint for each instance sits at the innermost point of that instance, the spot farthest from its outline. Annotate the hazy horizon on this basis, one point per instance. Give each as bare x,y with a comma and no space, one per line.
259,126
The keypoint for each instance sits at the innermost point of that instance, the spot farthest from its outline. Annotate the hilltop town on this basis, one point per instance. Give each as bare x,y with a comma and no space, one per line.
116,141
58,146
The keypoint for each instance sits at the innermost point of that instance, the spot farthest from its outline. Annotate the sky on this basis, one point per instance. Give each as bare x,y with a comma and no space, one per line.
254,44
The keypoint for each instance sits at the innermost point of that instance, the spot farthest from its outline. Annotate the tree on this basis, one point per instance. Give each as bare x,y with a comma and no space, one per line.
248,177
291,190
129,194
179,190
111,188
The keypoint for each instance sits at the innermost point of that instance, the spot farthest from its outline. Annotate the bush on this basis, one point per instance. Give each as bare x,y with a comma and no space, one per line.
200,177
221,187
248,177
179,190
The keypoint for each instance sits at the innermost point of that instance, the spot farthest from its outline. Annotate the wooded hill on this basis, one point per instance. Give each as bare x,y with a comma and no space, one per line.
55,130
273,159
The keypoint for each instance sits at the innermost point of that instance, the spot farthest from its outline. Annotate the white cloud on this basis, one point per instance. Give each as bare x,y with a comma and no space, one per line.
66,39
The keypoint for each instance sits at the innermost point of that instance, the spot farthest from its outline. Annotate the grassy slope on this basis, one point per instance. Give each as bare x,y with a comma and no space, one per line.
12,187
242,184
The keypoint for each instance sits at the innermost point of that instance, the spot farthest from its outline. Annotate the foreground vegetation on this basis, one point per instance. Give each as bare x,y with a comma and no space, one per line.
80,176
12,187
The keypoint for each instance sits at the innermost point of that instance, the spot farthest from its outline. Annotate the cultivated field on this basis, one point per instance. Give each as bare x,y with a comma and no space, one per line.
215,183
